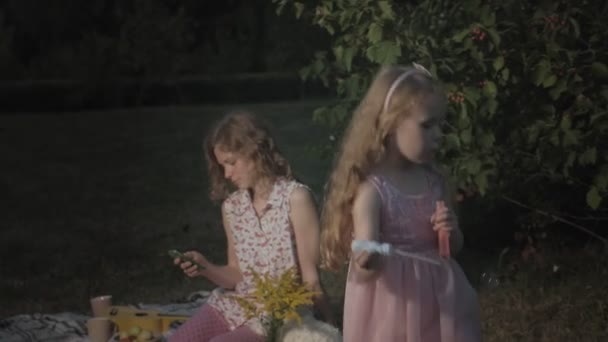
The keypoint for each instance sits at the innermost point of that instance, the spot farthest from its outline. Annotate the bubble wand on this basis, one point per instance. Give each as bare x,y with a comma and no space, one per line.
387,249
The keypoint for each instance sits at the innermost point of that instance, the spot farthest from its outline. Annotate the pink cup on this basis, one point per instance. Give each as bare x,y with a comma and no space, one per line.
100,329
101,305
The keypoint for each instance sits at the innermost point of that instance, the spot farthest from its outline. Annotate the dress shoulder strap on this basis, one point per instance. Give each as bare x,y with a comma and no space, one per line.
379,184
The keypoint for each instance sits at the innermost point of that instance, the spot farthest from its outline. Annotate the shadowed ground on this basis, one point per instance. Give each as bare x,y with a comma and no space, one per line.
93,200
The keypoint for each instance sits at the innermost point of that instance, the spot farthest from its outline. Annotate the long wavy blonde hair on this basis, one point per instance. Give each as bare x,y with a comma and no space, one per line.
243,133
362,147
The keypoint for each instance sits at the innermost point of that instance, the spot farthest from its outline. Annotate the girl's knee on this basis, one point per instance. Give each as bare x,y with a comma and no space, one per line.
241,334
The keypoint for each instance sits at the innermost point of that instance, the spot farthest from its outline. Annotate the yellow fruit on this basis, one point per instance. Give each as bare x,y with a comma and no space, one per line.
134,331
144,335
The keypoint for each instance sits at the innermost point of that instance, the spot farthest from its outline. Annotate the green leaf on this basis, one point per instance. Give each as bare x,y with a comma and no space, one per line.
539,14
433,69
593,198
540,72
387,10
452,141
566,123
318,66
339,115
319,114
492,106
505,74
468,43
473,166
499,62
340,89
324,80
280,7
588,157
460,36
489,89
570,138
487,16
487,140
472,95
451,87
494,37
359,16
601,178
558,89
571,56
463,117
339,53
481,180
599,70
596,117
570,160
532,134
299,9
552,49
352,86
349,53
385,52
465,136
549,81
374,34
604,93
305,73
477,55
554,138
548,109
575,27
345,18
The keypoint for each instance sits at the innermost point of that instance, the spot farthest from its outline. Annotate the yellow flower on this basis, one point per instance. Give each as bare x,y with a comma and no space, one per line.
276,298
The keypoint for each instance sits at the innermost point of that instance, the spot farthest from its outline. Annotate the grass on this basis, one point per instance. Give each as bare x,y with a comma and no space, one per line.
92,201
95,199
560,300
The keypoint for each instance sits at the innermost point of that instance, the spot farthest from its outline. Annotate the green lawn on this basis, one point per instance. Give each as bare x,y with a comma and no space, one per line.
95,199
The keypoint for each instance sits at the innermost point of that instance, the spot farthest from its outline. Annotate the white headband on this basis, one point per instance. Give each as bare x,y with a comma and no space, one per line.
398,80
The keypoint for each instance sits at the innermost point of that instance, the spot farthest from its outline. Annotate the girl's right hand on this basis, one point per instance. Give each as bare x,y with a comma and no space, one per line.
367,265
366,260
190,269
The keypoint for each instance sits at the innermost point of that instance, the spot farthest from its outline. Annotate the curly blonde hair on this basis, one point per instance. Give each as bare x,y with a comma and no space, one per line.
362,147
243,133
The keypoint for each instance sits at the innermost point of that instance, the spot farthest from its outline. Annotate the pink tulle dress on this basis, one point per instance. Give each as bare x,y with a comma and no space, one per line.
411,300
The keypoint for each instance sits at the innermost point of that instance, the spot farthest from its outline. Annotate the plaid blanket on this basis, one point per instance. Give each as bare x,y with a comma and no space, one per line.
72,327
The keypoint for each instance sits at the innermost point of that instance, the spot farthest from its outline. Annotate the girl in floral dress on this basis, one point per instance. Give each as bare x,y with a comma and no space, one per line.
271,226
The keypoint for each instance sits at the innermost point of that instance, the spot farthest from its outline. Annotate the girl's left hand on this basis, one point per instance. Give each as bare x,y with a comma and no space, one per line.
443,221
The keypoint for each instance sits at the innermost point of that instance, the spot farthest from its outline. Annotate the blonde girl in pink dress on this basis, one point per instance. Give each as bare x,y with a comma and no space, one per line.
271,226
384,189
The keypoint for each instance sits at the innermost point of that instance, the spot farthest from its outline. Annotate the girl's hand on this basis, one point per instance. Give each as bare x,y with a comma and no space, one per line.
443,221
190,269
366,260
366,265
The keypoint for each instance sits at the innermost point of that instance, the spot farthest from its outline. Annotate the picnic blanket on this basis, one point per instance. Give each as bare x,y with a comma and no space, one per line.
72,327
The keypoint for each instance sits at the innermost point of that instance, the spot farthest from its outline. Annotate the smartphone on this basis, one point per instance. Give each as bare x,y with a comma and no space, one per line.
174,253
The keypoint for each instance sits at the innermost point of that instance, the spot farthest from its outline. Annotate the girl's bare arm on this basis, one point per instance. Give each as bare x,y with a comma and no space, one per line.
226,276
304,218
366,220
